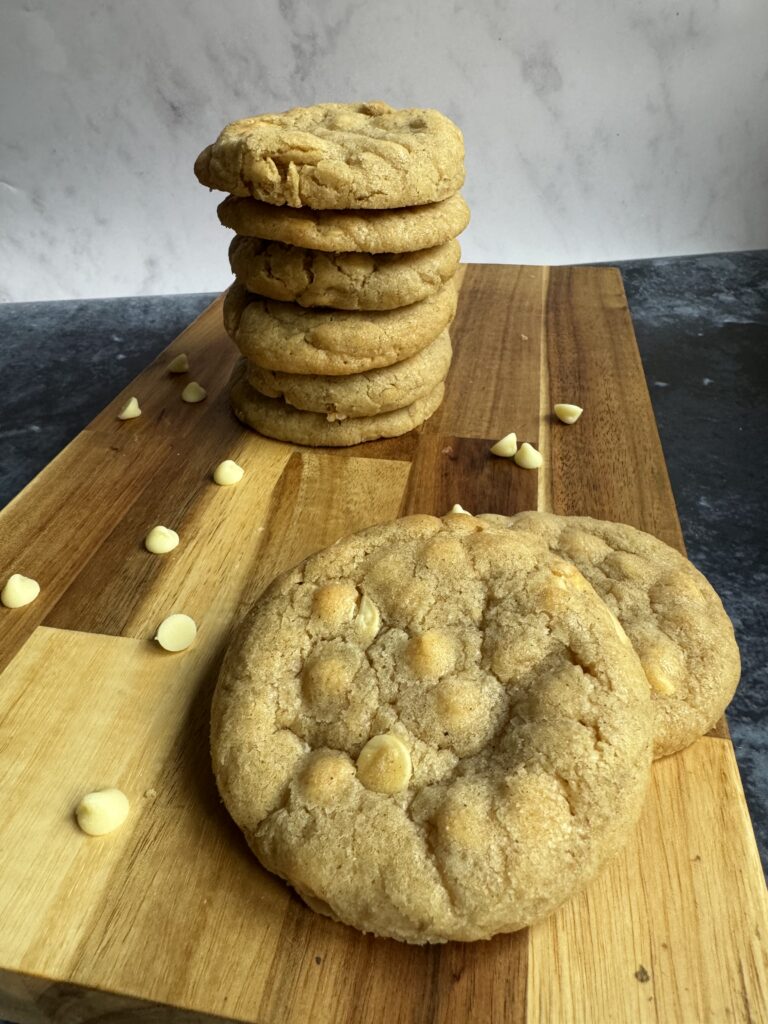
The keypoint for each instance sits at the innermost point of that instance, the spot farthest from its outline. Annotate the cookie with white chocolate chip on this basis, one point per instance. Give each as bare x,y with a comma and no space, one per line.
338,156
343,280
359,394
433,730
275,418
404,230
286,337
670,612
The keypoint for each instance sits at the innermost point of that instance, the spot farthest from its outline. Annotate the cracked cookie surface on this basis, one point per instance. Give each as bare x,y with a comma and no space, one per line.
275,418
342,280
669,610
284,336
404,230
433,730
359,394
338,156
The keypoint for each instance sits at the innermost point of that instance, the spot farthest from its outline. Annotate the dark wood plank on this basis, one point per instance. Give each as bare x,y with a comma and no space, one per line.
459,470
610,463
493,384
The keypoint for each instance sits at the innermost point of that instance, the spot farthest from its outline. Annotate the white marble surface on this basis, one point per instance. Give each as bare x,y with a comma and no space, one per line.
594,131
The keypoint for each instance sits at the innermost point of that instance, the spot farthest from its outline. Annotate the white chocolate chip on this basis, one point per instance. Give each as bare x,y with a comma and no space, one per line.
130,410
527,457
568,413
19,591
657,677
506,447
228,473
176,632
384,764
569,571
160,540
619,629
102,812
368,619
457,510
180,364
193,392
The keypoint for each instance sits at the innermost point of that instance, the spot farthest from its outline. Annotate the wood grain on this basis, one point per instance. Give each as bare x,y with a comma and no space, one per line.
171,918
609,464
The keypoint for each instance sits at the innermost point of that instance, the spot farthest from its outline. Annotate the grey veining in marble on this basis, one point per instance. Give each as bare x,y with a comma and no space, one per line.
594,131
702,328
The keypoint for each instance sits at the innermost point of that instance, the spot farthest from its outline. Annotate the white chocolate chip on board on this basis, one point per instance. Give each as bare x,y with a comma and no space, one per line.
567,413
176,632
130,410
102,811
160,540
506,447
19,591
457,510
180,364
228,473
527,457
193,393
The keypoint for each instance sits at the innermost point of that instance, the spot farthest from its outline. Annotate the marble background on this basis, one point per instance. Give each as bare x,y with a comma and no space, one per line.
596,131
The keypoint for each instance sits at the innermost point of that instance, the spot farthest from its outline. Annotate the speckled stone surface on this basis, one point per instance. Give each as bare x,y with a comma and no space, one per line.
702,327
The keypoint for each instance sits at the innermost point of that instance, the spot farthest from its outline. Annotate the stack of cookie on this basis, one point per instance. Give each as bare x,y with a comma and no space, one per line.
346,217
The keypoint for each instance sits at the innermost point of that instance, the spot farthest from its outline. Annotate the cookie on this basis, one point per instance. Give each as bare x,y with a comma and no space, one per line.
283,336
670,612
406,230
275,418
359,394
338,156
432,730
343,280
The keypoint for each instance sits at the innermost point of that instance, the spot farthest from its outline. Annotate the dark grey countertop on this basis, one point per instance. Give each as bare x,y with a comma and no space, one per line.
702,328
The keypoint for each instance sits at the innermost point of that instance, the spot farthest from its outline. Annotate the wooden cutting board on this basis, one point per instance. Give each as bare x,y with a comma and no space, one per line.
171,918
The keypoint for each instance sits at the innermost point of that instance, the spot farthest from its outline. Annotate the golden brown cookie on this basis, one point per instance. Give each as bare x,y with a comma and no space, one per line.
359,394
342,280
670,612
283,336
275,418
432,730
405,230
338,156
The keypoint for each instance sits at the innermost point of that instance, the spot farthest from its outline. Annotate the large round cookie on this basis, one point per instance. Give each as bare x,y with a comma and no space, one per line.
673,617
432,730
283,336
338,156
359,394
416,227
275,418
343,280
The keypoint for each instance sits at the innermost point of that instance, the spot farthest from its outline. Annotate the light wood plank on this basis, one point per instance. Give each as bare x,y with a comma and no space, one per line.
684,904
